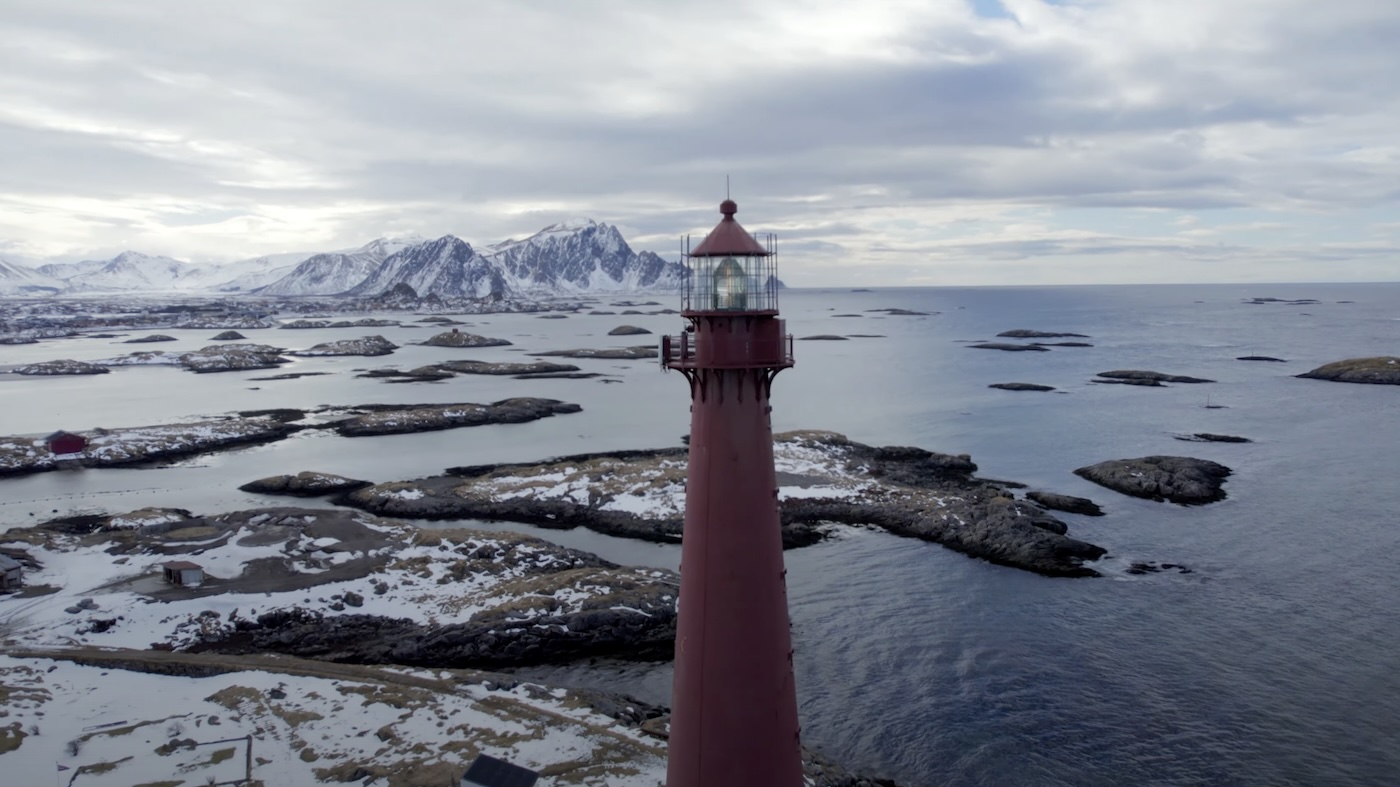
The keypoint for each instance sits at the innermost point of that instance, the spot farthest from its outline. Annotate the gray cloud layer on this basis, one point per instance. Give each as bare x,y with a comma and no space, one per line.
887,142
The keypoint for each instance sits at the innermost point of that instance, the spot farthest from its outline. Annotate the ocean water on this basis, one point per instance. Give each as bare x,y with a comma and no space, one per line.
1273,662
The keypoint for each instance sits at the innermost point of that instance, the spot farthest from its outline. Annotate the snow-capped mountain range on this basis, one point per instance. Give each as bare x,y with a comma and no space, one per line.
568,258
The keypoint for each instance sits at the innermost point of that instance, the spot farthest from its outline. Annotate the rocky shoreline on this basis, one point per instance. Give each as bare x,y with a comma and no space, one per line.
139,445
824,478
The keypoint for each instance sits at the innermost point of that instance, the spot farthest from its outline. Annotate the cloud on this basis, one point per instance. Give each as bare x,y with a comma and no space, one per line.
930,130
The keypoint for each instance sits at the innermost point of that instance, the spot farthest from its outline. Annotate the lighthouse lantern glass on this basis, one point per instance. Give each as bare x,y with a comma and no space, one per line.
731,286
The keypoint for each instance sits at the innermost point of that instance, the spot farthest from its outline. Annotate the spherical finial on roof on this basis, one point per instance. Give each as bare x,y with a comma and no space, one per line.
729,207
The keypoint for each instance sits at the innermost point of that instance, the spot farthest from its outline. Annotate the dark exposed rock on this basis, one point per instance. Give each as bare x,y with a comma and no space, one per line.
1153,568
420,374
1260,358
1062,344
364,322
65,366
232,358
616,353
1180,479
1294,302
1136,374
902,312
304,484
628,330
1207,437
560,376
1381,370
1022,387
487,367
229,336
287,376
283,415
1067,503
403,419
455,338
1131,381
824,337
367,345
1024,333
155,337
1008,347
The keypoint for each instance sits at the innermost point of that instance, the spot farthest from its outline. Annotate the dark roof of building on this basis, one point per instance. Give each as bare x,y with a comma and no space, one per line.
728,238
8,563
487,771
61,433
181,565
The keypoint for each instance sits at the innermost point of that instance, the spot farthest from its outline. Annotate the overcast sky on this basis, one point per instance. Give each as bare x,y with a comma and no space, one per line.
885,143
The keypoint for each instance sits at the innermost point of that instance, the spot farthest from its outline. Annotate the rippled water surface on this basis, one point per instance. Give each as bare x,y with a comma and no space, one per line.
1273,662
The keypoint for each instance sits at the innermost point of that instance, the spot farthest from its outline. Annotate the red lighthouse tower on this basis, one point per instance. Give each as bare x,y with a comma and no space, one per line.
733,702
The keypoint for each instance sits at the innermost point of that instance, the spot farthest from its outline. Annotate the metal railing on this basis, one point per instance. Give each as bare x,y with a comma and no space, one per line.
733,283
681,351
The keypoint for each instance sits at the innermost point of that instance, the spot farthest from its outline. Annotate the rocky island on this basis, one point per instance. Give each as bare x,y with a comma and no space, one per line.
1179,479
367,345
823,478
615,353
214,358
1380,370
61,367
455,338
1147,378
136,445
1025,333
1008,347
381,419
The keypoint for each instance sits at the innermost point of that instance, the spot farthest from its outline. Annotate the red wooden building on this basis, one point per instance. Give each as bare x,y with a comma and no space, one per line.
62,442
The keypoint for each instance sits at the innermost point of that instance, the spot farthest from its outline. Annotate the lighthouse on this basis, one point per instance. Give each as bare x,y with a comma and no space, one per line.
733,701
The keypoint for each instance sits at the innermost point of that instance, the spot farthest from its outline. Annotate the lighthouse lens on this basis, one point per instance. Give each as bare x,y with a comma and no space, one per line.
731,292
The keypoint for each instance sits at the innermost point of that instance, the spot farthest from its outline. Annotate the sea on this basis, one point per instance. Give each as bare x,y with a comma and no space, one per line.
1274,661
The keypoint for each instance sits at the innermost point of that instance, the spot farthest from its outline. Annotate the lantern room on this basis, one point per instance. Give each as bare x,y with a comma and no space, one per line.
731,270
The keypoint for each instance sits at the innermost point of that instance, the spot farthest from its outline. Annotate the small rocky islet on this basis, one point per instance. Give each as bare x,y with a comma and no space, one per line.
367,346
456,338
1378,370
1178,479
1026,333
1144,378
60,367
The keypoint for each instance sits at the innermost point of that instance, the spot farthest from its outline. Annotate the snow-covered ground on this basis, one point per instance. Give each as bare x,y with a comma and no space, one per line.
656,490
107,589
104,727
110,447
102,593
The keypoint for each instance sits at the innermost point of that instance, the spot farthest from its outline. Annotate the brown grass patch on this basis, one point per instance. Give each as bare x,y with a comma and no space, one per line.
11,737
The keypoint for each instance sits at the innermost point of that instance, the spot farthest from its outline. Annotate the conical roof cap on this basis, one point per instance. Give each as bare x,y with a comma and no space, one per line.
729,238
